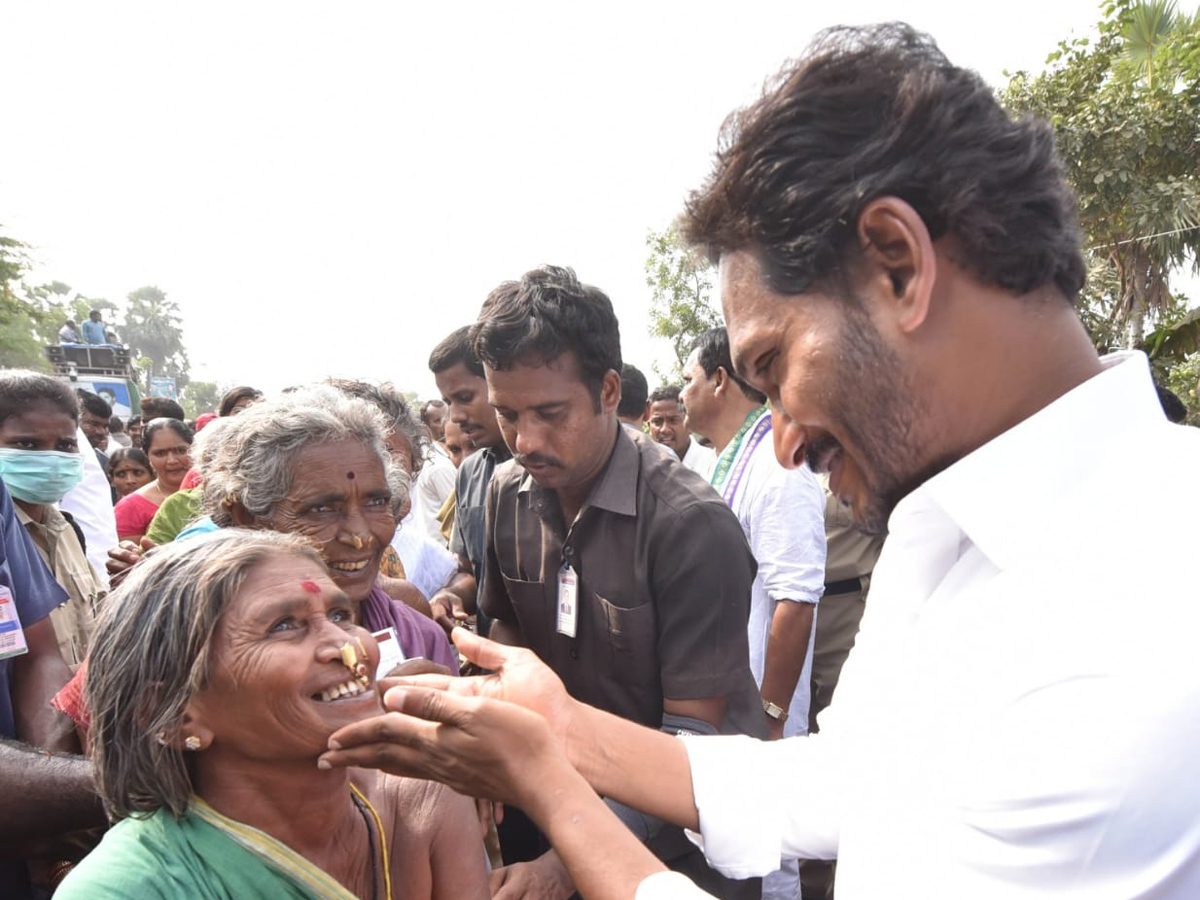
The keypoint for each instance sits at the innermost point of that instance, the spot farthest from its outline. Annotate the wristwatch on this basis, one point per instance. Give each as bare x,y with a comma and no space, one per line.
776,712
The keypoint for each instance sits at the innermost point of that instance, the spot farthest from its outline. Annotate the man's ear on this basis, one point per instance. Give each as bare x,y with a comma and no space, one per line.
898,255
720,382
610,392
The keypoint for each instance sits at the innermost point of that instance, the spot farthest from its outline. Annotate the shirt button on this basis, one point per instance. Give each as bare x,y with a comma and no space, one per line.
574,653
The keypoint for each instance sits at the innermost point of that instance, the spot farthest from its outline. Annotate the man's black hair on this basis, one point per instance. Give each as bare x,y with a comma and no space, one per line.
161,408
542,316
665,392
21,390
94,404
879,111
455,348
634,391
713,347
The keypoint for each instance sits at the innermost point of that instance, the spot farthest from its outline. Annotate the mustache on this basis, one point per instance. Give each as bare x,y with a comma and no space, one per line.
818,451
536,459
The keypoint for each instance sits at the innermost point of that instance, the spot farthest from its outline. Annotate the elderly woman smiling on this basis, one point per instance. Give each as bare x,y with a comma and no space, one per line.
315,462
219,671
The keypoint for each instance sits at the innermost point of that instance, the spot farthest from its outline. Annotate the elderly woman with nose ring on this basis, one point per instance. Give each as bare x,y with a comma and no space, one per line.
220,669
315,462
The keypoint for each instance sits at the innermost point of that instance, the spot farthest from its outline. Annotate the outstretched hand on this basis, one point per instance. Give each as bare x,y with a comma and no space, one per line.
487,736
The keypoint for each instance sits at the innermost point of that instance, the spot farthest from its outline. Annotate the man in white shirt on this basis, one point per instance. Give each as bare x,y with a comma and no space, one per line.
667,425
1018,715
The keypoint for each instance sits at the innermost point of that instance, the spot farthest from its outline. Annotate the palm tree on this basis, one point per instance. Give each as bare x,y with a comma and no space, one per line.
1150,25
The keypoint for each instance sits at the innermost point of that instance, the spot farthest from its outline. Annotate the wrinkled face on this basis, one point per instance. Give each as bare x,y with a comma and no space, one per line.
340,499
127,476
95,427
456,443
550,423
466,399
699,402
170,457
839,398
278,685
667,426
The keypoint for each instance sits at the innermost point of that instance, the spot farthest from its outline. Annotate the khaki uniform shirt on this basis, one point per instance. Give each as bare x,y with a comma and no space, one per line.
59,547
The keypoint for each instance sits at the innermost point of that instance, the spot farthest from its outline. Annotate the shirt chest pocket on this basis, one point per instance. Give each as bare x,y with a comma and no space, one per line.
631,636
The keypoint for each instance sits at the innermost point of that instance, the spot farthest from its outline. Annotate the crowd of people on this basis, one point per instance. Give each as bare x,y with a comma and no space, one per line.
559,633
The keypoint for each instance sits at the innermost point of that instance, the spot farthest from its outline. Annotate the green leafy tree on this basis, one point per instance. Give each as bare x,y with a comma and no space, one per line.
200,397
20,320
681,304
153,330
1126,115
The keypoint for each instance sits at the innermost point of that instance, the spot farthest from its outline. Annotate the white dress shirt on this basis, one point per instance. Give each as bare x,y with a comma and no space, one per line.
1020,716
700,459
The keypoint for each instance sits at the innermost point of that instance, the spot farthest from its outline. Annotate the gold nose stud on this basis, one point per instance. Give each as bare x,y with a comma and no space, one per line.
350,659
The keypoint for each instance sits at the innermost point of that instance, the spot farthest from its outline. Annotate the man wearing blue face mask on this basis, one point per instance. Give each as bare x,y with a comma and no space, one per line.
39,462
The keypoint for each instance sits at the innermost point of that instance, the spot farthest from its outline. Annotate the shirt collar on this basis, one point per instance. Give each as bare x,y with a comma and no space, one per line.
615,490
52,519
1014,494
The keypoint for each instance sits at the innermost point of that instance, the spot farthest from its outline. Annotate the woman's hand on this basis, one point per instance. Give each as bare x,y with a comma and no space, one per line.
123,557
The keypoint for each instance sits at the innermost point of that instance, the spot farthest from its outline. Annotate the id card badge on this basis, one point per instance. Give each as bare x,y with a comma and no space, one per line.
568,596
390,653
12,636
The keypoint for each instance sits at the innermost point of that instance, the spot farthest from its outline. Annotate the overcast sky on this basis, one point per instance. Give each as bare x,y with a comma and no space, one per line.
331,188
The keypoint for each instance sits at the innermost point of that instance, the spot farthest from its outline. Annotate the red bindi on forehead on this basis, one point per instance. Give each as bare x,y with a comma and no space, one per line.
350,475
310,587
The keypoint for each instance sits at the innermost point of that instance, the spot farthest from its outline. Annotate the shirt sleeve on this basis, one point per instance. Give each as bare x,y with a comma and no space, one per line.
762,801
35,592
787,535
701,587
668,886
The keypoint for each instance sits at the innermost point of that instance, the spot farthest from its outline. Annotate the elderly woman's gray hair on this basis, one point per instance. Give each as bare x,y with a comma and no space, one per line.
255,460
152,652
396,410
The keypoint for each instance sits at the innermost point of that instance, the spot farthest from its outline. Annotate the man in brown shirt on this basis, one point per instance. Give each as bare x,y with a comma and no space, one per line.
620,568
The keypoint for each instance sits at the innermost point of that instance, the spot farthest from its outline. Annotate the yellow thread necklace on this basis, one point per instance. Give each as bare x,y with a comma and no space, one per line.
364,806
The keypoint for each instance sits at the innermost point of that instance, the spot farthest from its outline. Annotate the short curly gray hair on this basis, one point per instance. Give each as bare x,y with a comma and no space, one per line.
396,410
153,651
254,462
